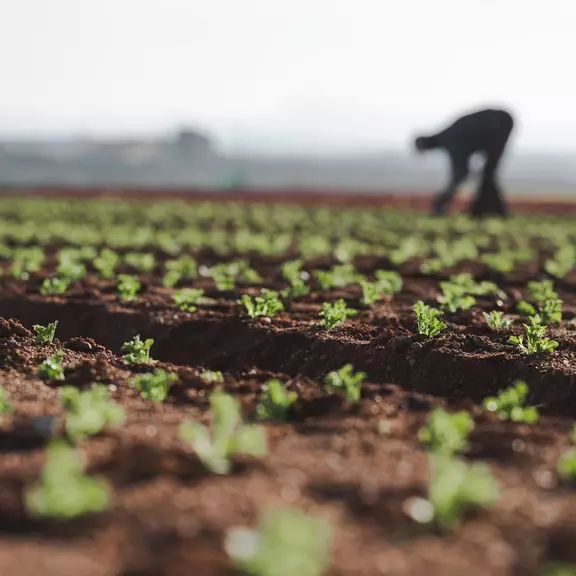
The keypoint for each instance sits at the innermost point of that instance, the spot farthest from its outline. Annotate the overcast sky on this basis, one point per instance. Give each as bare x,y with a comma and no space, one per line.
287,73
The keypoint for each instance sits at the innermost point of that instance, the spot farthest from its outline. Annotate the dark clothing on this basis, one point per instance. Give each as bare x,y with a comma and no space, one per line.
487,132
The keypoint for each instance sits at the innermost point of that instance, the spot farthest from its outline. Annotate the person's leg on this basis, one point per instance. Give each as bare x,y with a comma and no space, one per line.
489,199
458,173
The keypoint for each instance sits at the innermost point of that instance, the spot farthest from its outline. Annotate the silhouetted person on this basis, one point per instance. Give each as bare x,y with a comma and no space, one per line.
485,131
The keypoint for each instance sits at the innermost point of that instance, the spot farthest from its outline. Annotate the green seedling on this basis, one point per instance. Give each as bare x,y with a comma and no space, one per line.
432,266
142,262
5,406
541,291
210,377
287,542
370,292
55,285
559,267
445,432
64,491
566,465
333,315
456,486
548,311
171,278
292,271
558,569
154,386
128,287
106,263
296,289
345,383
535,340
228,436
187,298
89,412
51,369
338,276
427,318
389,282
275,402
137,351
268,304
495,319
45,334
454,297
509,404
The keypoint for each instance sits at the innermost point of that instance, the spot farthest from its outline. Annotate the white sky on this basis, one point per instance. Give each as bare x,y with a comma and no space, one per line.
360,73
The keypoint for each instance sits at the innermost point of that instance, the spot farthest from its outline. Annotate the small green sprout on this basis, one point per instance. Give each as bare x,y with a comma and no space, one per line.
186,298
524,308
455,486
389,282
90,411
71,271
275,402
559,569
541,291
106,263
446,432
5,406
566,465
334,314
140,261
548,310
268,304
154,386
292,270
51,368
454,297
128,287
287,542
137,351
55,285
495,319
64,491
171,278
345,383
370,292
427,318
509,404
211,376
45,334
296,289
535,340
228,436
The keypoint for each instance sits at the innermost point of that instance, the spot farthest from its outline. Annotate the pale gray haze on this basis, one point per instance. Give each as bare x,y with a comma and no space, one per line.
287,76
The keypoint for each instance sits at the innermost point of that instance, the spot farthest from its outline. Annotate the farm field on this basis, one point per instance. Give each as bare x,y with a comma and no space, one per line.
234,387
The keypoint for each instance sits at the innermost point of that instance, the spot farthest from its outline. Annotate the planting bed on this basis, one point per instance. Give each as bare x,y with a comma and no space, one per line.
358,465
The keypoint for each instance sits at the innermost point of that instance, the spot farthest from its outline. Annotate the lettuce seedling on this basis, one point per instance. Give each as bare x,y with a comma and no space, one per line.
45,334
292,270
128,287
90,411
455,486
106,263
55,285
211,376
51,368
541,291
63,490
186,298
495,319
445,432
140,261
427,318
389,282
345,383
5,406
267,304
509,404
154,386
333,315
296,289
137,351
227,437
71,271
566,465
535,340
288,542
370,292
171,278
454,297
275,402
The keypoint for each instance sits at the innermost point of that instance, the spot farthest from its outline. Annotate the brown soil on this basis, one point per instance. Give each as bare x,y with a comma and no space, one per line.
171,515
